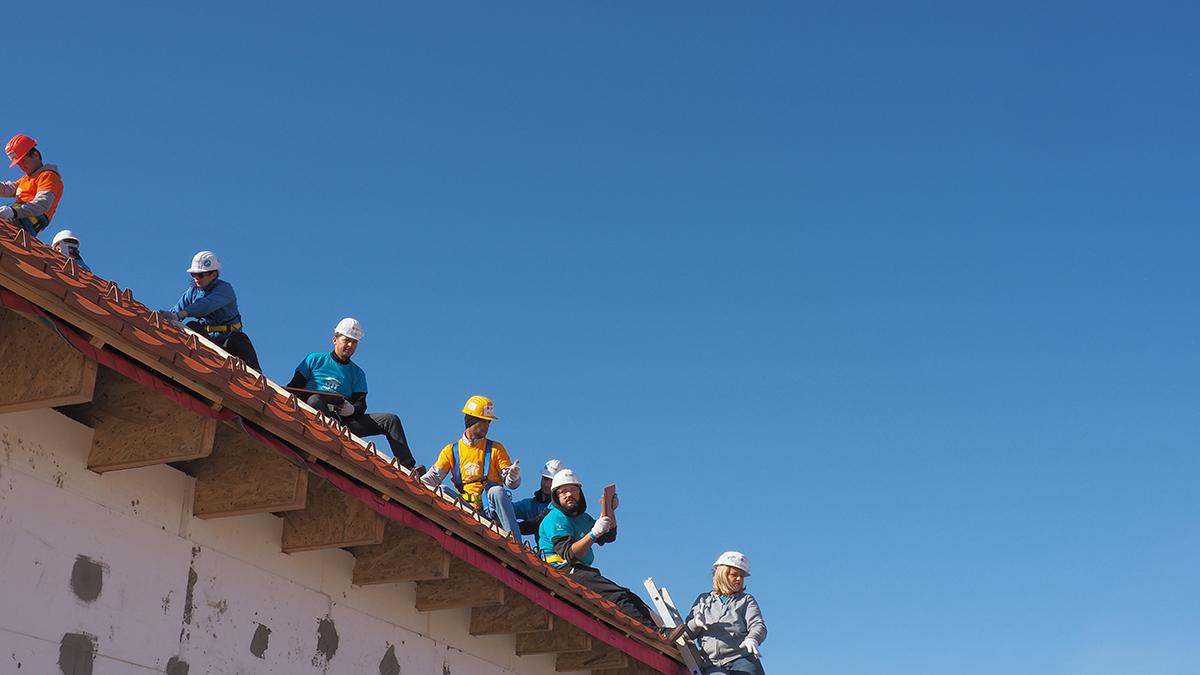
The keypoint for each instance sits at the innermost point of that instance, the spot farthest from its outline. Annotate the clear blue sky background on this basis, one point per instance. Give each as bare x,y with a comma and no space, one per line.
898,300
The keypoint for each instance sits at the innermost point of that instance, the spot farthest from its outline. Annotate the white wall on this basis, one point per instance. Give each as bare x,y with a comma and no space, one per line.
181,595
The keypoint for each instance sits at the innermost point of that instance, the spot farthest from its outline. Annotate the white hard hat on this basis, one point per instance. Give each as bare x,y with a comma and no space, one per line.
65,234
552,468
351,328
205,261
734,559
565,477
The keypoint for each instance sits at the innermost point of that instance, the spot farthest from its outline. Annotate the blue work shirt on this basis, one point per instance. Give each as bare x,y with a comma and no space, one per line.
212,306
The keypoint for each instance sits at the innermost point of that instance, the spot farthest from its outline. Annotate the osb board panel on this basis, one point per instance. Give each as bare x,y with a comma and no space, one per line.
404,555
38,368
518,614
564,638
137,427
243,476
600,656
466,587
330,519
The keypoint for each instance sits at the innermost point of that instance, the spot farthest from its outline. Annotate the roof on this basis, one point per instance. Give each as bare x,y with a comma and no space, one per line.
108,326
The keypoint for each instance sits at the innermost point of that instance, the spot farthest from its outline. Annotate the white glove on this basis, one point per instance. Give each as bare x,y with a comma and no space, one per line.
750,645
512,477
697,625
603,525
168,314
346,409
6,213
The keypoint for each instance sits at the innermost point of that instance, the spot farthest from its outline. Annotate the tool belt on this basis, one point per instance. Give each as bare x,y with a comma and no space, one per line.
222,329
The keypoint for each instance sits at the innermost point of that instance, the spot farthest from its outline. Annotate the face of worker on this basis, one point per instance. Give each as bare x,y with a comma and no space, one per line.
568,496
736,577
204,279
478,430
32,161
344,346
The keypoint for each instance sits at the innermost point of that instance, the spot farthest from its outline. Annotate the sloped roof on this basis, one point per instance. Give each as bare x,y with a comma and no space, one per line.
109,326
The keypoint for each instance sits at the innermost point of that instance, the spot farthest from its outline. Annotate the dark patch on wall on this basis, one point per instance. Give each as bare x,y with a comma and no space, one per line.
76,653
389,665
258,643
177,667
87,578
445,668
188,607
327,639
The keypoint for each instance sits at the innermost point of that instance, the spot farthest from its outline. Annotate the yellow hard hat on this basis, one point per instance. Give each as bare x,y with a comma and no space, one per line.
481,407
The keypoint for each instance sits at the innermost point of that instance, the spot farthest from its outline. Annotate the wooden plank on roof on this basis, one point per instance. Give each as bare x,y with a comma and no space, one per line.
468,586
330,519
599,656
136,427
242,476
563,638
518,614
404,555
38,368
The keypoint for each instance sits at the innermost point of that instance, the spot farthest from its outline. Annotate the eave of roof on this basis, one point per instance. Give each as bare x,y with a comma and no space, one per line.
109,326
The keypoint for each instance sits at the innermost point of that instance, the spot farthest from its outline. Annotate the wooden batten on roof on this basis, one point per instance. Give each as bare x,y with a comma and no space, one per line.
154,393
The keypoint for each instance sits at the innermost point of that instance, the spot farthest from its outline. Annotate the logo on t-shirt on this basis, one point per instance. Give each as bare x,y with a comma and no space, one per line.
330,384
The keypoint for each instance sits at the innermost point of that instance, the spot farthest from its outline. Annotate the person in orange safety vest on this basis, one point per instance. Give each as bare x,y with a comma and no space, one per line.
36,194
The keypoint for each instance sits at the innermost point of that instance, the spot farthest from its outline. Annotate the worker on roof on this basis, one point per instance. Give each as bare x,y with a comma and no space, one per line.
36,194
479,467
566,538
532,510
727,623
334,372
67,243
212,306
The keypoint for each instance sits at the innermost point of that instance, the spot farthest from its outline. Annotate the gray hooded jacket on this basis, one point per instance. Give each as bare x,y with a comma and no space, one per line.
729,622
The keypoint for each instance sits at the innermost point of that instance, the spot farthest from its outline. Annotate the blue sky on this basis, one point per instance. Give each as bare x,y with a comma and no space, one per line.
897,300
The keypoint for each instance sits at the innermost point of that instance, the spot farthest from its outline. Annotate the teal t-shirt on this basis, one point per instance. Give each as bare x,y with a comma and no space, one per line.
324,373
556,524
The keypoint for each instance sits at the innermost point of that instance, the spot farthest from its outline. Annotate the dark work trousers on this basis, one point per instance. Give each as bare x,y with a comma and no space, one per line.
236,343
626,600
372,424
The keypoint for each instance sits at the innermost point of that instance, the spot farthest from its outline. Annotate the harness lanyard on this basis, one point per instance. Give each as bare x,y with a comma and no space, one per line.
456,475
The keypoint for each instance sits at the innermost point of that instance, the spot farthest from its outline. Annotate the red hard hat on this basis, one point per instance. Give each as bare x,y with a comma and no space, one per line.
20,145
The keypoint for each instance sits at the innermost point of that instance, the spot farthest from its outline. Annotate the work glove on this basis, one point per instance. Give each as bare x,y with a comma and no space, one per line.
346,409
6,213
168,314
697,625
750,645
512,479
604,524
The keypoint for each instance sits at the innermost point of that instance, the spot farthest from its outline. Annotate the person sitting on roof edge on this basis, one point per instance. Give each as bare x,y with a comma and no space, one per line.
36,194
565,540
727,622
211,302
67,243
478,466
532,510
334,372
